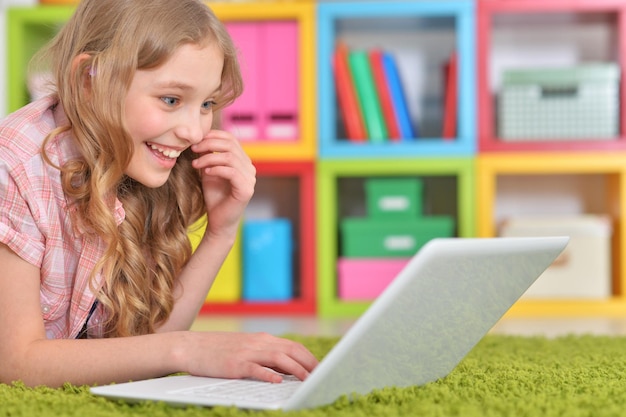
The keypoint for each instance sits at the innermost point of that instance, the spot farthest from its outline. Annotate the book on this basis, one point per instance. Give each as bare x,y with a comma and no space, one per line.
368,97
349,106
450,98
384,95
397,97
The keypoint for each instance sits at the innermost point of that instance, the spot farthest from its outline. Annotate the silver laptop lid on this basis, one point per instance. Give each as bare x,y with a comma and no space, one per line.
433,313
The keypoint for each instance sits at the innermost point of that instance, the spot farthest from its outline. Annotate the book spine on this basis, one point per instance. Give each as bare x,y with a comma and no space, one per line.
349,105
397,97
366,91
382,88
450,98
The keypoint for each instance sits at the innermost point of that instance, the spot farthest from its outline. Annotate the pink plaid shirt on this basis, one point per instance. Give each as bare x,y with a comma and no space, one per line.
35,224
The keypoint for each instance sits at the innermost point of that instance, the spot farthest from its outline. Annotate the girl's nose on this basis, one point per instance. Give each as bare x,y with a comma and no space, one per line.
192,127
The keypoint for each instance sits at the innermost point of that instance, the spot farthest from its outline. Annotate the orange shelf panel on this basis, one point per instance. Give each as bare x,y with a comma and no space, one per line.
491,166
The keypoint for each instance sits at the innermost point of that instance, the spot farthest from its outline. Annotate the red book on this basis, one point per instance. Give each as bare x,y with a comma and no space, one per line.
450,98
349,106
384,95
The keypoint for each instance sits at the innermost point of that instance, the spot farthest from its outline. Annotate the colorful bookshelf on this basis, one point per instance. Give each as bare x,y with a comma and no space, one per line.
386,22
316,170
491,169
452,183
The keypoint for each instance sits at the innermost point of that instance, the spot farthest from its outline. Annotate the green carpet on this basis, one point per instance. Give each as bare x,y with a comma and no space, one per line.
503,376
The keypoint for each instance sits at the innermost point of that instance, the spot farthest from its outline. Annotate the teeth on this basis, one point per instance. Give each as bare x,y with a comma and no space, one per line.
170,153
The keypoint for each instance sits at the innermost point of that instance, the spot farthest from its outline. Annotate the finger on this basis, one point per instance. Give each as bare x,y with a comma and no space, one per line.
263,373
305,357
239,161
287,365
270,366
292,359
301,356
217,141
207,146
234,172
242,188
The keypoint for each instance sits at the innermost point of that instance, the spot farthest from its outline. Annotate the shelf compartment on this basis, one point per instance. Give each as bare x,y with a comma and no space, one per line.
286,190
389,26
448,190
547,34
305,147
567,183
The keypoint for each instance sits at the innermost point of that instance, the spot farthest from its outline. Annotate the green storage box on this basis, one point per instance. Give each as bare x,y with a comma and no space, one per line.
366,238
397,198
560,103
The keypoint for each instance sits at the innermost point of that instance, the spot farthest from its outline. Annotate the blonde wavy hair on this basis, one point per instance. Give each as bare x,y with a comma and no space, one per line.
147,251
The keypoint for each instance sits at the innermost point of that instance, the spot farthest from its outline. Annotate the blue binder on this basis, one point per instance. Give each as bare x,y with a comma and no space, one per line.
398,98
267,260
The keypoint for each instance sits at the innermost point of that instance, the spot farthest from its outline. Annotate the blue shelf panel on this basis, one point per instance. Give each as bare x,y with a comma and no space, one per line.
461,13
415,148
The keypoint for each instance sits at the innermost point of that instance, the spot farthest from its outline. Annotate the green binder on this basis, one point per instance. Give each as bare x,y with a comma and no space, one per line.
368,97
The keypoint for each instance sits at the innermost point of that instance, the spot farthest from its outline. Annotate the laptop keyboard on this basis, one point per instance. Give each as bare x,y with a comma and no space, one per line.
246,389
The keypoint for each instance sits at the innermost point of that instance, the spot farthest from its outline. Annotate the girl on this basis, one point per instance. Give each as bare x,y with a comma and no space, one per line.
99,184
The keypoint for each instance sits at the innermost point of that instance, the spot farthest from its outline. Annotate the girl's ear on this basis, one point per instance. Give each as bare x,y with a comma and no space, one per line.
87,71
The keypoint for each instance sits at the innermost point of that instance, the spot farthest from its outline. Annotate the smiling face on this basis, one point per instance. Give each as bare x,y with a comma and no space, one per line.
169,108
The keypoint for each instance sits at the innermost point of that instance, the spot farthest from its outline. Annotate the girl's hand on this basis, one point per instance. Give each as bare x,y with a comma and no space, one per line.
245,355
228,180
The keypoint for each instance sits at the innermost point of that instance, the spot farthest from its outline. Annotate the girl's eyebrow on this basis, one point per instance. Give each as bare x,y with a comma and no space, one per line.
174,84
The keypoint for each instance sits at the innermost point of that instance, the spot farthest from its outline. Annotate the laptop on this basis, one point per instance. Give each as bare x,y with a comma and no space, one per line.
449,295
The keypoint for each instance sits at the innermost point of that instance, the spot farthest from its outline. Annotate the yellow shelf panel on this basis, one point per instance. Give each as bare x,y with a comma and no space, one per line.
553,162
613,307
288,152
257,10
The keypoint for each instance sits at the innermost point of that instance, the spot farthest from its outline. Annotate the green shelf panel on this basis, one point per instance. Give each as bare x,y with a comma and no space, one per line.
28,29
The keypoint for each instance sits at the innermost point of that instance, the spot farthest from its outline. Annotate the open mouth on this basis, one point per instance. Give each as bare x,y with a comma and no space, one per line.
164,152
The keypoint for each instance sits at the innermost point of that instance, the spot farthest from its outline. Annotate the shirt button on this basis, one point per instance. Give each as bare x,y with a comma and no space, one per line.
45,308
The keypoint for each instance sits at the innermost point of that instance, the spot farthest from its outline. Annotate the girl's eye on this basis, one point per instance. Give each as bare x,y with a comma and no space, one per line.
170,101
208,105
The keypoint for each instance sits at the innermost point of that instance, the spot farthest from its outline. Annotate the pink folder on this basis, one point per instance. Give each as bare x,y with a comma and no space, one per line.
366,278
279,75
243,117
